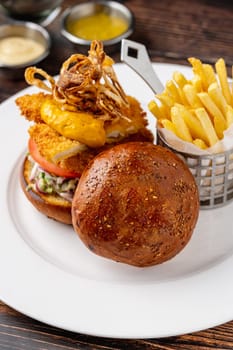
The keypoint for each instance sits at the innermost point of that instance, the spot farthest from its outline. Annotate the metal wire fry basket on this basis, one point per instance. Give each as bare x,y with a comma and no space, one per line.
213,174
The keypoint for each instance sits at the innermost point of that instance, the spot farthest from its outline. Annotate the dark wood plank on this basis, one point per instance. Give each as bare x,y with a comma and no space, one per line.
23,333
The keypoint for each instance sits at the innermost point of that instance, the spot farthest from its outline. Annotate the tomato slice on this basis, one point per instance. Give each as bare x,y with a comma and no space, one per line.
48,166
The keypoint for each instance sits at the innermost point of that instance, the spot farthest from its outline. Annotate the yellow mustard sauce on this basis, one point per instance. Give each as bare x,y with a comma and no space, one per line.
99,26
17,50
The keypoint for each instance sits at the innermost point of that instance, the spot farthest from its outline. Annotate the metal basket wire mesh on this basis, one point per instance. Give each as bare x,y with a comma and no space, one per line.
213,174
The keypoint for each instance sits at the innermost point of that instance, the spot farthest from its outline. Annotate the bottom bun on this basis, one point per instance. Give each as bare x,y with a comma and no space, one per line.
53,206
136,203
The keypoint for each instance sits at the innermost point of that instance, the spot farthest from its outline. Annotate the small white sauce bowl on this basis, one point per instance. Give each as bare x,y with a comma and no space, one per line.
27,30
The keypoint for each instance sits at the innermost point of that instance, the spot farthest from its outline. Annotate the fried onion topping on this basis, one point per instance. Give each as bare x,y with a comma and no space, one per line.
85,83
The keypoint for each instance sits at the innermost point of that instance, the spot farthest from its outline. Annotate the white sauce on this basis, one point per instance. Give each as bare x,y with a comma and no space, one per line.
17,50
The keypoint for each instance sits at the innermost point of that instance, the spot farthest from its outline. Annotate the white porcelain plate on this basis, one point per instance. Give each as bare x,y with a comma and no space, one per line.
48,274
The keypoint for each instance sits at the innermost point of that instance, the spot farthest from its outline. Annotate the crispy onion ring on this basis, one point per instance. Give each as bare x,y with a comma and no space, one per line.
31,79
86,83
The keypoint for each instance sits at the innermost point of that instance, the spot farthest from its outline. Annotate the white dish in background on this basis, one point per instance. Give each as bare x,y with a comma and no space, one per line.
48,274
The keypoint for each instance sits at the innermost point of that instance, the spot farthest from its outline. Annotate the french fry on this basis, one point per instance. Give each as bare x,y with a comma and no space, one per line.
211,107
173,91
167,124
217,116
182,130
216,95
165,99
207,126
222,75
155,110
191,96
192,123
219,127
198,69
210,77
229,116
180,79
197,84
165,111
200,109
200,143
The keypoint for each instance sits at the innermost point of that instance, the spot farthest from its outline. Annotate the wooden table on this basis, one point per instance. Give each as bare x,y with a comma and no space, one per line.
172,31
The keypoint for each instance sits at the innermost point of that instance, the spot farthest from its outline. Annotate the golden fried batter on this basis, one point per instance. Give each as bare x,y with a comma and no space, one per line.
78,162
53,146
30,105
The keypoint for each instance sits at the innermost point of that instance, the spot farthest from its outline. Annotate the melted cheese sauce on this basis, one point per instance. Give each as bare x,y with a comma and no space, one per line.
99,26
17,50
134,122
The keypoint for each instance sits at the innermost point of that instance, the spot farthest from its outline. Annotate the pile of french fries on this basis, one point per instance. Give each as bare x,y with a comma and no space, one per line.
196,110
